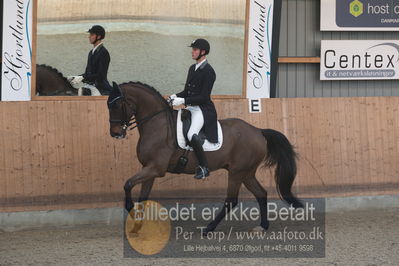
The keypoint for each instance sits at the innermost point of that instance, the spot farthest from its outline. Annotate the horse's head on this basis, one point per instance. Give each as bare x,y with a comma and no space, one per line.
120,112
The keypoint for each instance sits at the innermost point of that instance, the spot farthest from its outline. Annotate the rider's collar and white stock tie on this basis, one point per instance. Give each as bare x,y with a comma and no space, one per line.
199,64
94,49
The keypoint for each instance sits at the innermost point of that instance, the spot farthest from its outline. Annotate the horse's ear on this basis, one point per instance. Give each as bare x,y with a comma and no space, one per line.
116,88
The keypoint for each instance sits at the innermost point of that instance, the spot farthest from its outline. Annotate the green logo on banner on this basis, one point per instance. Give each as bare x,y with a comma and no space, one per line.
356,8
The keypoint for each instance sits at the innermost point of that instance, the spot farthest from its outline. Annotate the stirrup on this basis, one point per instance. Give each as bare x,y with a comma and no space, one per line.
202,173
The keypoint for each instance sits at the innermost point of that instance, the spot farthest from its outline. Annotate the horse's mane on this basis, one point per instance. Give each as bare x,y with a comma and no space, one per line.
54,70
152,89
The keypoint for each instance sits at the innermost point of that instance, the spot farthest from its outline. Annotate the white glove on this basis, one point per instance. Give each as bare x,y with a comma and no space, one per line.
171,98
178,101
75,79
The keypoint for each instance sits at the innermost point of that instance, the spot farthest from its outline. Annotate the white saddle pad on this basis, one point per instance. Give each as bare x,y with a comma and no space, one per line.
207,146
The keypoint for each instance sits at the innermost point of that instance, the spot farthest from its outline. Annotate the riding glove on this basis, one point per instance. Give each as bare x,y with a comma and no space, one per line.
171,98
75,79
178,101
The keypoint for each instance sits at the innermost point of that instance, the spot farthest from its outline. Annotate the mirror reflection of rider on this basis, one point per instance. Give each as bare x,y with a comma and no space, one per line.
197,97
98,61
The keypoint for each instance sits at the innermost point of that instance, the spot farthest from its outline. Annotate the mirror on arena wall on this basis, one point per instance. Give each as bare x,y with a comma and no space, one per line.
147,41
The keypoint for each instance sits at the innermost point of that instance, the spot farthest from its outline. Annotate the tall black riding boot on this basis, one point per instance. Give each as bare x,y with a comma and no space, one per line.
202,169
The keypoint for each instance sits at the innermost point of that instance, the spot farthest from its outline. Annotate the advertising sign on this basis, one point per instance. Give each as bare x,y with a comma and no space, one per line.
359,15
359,60
17,51
263,32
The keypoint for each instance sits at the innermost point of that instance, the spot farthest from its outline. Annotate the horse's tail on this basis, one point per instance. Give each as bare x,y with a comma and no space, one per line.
280,153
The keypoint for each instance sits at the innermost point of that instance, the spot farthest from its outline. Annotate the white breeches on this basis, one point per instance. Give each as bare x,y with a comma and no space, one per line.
93,89
197,121
80,85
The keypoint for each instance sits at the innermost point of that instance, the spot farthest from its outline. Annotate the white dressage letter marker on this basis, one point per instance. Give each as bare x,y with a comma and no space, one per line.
255,106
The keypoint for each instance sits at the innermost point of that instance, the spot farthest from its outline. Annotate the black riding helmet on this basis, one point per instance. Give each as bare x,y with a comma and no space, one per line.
98,30
201,44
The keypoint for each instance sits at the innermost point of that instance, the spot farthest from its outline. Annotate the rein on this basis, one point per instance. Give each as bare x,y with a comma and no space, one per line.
128,122
136,123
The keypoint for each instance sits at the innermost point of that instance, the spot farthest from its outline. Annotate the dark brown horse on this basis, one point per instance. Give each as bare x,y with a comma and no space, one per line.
244,149
50,82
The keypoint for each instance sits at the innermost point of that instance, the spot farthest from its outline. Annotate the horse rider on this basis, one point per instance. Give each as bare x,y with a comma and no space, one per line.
196,96
95,76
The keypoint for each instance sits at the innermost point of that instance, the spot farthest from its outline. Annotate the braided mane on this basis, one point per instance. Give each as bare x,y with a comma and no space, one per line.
152,89
54,70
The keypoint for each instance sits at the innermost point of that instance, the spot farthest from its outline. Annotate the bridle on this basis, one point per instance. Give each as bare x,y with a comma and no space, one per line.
127,122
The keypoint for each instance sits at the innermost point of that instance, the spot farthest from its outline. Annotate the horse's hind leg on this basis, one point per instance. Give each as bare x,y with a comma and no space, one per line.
261,196
234,185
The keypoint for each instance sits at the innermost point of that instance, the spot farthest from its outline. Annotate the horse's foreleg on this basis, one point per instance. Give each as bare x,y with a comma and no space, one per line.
146,188
234,185
261,196
147,176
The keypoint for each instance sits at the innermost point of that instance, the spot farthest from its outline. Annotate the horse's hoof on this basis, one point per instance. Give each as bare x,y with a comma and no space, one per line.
258,229
133,234
136,228
206,231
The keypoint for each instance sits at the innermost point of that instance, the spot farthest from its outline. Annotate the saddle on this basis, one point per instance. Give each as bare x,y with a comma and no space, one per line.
183,126
186,120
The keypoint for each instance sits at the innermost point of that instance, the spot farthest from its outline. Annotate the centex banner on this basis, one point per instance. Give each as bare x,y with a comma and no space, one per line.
359,60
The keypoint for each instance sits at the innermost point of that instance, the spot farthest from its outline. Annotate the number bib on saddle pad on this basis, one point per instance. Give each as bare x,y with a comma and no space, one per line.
181,138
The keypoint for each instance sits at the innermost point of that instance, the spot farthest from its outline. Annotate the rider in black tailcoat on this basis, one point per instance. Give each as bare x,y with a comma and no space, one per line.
97,62
197,97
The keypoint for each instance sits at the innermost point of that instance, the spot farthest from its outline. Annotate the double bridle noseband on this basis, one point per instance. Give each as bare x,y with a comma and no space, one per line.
126,122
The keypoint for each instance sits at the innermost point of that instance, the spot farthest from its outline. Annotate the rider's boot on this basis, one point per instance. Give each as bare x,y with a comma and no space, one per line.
202,170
